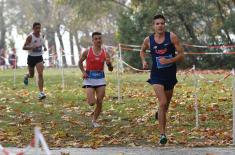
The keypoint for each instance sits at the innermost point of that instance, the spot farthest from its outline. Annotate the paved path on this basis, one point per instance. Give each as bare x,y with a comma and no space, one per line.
137,151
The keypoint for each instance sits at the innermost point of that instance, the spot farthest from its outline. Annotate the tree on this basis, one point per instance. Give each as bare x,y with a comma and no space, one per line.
71,47
44,11
83,21
223,20
3,26
195,22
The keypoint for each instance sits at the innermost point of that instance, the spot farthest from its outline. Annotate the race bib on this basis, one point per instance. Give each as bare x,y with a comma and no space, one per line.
159,65
95,74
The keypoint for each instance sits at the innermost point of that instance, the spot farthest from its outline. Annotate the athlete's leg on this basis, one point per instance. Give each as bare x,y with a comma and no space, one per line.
31,66
169,94
30,74
100,93
162,98
90,93
40,67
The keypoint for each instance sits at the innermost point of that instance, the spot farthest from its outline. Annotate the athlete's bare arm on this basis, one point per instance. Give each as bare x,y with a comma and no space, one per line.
83,57
27,44
108,62
144,47
44,46
179,49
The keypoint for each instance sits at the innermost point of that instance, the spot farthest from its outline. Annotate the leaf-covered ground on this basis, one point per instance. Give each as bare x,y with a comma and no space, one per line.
64,116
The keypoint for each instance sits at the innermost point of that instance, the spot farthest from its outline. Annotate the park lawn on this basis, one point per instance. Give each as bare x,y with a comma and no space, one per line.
64,117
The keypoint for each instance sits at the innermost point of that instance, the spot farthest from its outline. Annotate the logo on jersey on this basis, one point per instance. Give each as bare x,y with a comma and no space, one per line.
155,47
161,51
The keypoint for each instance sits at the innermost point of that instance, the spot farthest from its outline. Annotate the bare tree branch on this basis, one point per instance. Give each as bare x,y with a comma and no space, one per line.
120,3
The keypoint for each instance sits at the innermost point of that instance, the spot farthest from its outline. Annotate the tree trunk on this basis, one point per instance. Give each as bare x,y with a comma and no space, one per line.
52,49
71,48
50,35
3,26
77,44
189,28
223,21
64,62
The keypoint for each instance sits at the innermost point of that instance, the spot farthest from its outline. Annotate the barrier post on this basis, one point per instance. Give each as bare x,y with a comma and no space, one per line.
62,68
196,97
233,100
44,144
36,140
14,73
118,71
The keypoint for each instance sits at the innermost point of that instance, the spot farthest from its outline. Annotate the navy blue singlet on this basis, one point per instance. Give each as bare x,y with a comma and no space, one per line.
162,74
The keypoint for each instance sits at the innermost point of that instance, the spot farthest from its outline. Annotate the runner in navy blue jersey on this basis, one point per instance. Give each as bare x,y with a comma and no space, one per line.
162,45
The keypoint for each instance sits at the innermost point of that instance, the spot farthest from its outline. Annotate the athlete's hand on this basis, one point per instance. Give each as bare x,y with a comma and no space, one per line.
163,60
145,65
45,49
107,61
110,67
84,75
109,64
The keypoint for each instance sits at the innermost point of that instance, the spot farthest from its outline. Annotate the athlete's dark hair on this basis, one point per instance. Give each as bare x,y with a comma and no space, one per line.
95,34
159,17
36,24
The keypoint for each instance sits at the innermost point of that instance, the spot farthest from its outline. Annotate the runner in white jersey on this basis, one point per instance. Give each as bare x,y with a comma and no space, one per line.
34,44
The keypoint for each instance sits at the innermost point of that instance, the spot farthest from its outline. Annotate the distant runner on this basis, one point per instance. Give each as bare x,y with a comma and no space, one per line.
34,44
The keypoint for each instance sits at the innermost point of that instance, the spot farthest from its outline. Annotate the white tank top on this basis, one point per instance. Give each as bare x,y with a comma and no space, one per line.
38,42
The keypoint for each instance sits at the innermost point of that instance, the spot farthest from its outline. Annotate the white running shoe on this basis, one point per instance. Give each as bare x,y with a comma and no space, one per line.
41,96
95,125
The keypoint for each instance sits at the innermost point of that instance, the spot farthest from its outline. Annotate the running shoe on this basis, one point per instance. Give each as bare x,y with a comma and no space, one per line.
26,80
163,139
41,96
95,125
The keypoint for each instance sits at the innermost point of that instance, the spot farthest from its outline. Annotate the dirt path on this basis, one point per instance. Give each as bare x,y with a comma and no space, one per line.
137,151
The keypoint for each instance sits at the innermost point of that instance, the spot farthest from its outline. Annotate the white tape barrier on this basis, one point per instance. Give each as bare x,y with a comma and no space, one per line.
137,48
128,45
67,54
5,58
186,53
190,70
34,144
233,72
189,45
136,69
208,53
210,46
206,79
109,46
133,49
214,81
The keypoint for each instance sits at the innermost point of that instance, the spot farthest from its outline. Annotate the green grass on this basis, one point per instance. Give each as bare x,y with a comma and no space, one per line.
65,121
